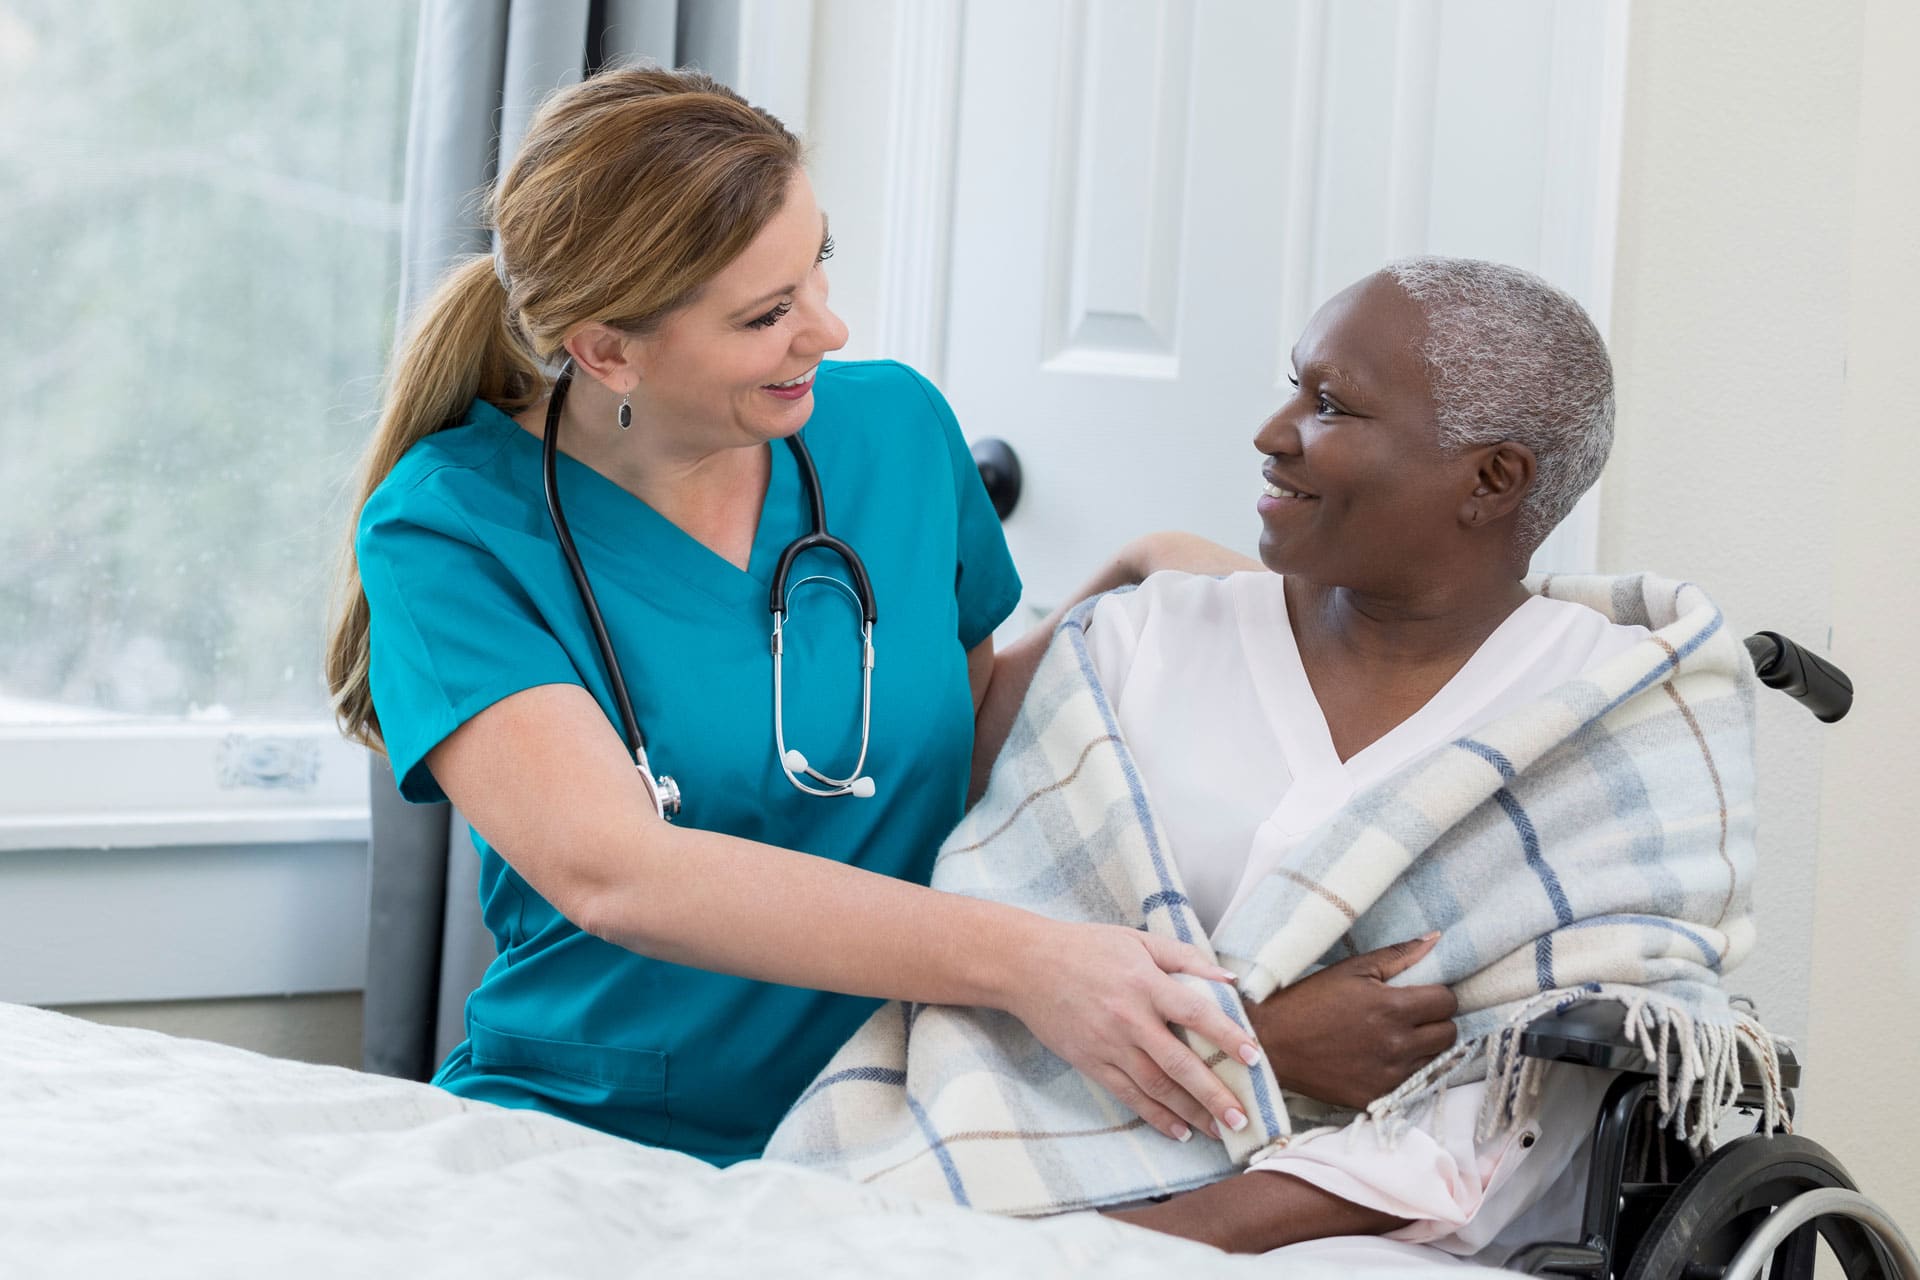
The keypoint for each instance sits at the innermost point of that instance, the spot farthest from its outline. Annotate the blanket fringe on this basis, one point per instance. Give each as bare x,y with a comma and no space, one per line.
1422,1089
1695,1056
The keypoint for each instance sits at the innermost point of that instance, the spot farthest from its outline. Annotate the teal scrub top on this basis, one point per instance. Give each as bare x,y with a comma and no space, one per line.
471,601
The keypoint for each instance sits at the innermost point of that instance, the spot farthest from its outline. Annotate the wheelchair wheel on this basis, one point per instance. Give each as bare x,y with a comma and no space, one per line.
1721,1203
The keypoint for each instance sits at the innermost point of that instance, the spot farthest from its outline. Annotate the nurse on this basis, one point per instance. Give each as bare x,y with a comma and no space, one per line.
680,983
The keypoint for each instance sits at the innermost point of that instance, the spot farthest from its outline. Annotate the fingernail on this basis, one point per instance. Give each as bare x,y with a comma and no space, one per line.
1249,1054
1213,1128
1183,1133
1429,937
1236,1119
1226,975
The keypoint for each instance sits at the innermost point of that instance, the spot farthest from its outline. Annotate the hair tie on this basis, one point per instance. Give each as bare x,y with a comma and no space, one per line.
500,266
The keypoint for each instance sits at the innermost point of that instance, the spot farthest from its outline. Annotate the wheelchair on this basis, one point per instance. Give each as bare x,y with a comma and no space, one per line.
1653,1210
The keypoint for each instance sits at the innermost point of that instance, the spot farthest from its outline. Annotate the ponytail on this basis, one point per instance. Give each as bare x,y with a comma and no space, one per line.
630,191
461,346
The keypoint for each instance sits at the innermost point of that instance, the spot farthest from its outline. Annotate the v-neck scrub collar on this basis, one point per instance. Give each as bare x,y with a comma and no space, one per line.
619,522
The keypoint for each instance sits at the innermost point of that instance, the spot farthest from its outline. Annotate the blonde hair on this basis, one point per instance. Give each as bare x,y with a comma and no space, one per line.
632,190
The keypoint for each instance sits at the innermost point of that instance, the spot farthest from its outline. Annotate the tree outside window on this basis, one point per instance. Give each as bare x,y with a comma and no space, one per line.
199,228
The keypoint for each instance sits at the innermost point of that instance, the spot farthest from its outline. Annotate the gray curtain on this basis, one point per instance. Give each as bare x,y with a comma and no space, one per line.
482,67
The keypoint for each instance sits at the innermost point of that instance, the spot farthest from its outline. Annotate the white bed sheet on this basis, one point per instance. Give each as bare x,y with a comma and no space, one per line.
129,1153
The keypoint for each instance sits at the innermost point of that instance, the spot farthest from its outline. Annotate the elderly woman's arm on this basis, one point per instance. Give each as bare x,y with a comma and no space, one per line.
1259,1211
1439,1180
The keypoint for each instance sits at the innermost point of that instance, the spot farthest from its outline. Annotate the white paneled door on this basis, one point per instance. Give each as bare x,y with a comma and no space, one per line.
1151,196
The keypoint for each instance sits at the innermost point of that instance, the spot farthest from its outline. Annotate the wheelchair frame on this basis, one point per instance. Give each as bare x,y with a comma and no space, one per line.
1655,1211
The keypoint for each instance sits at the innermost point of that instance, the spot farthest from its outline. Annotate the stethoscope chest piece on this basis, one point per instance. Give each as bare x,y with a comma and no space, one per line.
661,789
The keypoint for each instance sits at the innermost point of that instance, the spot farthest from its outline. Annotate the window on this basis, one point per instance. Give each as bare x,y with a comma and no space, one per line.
199,252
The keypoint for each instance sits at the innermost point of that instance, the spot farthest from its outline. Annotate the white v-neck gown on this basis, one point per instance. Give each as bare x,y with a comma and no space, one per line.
1206,681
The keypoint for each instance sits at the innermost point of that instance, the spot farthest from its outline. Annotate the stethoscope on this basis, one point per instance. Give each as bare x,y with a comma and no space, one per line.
663,790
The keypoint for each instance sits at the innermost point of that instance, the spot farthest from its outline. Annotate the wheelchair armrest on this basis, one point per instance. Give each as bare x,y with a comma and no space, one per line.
1591,1034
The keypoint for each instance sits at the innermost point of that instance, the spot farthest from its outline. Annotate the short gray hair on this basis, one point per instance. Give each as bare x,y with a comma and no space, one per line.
1513,358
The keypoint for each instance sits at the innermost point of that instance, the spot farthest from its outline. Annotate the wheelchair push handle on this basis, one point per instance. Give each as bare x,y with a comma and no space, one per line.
1800,673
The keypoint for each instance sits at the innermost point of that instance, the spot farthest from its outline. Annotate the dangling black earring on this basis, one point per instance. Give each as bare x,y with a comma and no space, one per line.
626,412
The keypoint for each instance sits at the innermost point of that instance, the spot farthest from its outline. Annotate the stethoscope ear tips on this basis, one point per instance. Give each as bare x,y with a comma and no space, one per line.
795,762
862,787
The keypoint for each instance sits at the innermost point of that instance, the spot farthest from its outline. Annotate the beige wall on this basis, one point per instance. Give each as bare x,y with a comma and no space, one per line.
316,1028
1866,942
1765,342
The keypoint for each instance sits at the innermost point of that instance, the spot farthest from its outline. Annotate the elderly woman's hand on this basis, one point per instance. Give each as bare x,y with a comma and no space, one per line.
1345,1036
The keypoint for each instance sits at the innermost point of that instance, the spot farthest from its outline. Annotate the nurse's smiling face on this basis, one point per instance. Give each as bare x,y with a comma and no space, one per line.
1359,492
735,366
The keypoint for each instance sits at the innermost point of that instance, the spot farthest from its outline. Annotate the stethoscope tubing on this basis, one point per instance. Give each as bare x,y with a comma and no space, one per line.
838,786
629,724
663,791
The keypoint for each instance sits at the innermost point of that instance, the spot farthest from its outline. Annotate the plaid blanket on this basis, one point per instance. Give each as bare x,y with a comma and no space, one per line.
1596,845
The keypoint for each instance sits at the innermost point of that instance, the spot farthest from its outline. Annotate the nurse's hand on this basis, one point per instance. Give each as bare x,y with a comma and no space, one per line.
1101,997
1185,553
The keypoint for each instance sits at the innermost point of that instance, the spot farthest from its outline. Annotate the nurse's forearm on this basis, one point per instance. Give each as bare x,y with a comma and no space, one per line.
736,906
544,775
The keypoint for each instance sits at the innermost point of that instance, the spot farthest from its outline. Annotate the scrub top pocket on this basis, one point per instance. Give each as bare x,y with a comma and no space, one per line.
597,1079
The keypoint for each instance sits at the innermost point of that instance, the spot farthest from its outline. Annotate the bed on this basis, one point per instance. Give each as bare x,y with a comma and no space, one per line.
131,1153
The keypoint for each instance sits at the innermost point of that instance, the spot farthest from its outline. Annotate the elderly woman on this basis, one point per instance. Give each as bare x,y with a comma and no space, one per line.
1389,734
1448,414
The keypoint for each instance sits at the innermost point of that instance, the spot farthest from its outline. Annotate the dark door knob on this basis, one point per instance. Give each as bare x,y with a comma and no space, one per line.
1000,472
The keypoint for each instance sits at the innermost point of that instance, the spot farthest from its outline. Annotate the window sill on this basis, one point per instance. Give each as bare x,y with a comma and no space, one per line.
170,784
205,828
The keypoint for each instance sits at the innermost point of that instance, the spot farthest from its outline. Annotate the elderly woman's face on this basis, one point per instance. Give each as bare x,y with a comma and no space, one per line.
1358,489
